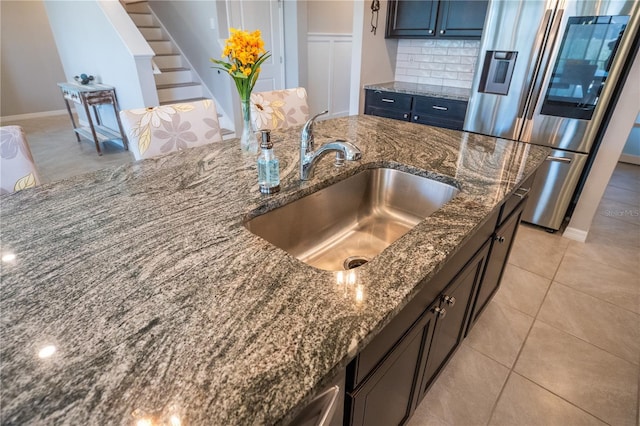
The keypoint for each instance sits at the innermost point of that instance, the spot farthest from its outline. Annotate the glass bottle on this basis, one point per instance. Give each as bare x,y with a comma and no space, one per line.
268,166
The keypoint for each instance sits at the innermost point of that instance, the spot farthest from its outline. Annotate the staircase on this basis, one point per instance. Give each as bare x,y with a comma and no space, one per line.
175,81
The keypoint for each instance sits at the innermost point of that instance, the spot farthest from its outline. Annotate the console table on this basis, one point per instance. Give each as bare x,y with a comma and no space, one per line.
93,95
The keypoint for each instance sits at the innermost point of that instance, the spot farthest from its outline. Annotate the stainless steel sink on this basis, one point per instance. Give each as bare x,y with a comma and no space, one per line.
350,222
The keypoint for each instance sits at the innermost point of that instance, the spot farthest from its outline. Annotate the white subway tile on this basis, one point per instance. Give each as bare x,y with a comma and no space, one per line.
468,60
423,43
459,67
403,64
403,42
402,57
434,66
457,83
443,74
430,80
469,52
446,59
418,73
465,76
423,58
410,50
434,50
406,78
472,43
449,43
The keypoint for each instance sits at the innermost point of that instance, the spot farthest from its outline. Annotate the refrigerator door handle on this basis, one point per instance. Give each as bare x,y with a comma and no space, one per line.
535,93
536,61
559,159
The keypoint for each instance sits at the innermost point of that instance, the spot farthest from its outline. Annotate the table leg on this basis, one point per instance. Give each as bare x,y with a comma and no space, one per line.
73,122
125,140
93,130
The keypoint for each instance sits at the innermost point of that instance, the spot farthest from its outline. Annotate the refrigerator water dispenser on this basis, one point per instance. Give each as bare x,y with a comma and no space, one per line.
497,72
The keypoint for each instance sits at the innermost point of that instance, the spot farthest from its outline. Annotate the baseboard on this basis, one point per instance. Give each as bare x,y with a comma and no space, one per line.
33,115
575,234
631,159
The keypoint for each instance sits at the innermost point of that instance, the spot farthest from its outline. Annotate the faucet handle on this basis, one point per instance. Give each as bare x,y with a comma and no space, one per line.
307,131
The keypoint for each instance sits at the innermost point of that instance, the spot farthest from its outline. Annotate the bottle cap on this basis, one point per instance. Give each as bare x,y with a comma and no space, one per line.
266,140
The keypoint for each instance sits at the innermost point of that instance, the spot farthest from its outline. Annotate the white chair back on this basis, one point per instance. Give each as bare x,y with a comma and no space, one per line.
159,130
279,109
17,168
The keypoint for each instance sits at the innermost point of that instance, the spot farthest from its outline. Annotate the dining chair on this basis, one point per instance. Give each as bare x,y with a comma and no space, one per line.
167,128
17,169
279,109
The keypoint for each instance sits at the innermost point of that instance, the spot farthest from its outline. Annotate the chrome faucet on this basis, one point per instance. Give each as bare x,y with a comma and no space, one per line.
308,157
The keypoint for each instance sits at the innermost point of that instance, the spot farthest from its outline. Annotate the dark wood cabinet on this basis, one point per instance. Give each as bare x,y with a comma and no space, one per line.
445,18
452,315
386,396
433,111
387,380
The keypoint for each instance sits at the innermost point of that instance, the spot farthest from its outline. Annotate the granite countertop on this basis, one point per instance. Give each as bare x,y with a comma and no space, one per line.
446,92
160,303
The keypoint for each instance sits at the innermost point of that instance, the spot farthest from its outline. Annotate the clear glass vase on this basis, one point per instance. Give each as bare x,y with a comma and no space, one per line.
248,139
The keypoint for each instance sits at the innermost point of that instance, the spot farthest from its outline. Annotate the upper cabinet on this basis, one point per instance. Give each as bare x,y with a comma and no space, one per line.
445,18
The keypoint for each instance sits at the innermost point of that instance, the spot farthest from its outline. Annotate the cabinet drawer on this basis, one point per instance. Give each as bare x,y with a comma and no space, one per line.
388,100
430,120
448,109
388,113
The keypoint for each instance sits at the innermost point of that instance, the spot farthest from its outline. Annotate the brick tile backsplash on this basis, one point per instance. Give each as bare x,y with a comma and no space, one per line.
438,62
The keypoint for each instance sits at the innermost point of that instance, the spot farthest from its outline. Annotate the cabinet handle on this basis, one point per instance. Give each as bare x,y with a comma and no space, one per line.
439,108
559,159
441,31
388,100
430,31
415,117
405,115
440,312
499,238
523,193
449,300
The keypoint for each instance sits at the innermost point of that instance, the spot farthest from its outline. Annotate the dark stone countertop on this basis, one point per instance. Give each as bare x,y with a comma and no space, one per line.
159,302
446,92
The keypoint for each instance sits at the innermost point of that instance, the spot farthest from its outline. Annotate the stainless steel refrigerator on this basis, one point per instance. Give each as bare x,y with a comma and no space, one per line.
546,74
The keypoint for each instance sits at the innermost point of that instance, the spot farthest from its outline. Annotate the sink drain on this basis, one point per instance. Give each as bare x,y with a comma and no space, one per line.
355,261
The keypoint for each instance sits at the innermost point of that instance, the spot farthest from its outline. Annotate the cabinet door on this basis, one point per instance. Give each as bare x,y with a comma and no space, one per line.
458,18
496,261
385,397
452,315
410,18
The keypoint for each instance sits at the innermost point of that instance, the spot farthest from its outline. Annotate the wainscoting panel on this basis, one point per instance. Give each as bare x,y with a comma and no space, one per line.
329,71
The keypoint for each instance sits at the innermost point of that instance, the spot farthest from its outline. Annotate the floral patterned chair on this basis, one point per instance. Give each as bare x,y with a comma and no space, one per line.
159,130
279,109
17,168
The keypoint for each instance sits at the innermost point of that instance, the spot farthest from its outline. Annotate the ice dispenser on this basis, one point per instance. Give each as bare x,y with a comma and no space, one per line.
497,72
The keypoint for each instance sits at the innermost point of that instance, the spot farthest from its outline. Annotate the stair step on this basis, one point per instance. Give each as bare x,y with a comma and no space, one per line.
179,75
172,60
172,93
162,47
151,33
142,19
137,7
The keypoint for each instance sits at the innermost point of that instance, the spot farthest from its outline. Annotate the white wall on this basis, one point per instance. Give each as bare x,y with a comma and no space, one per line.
88,43
30,67
374,57
631,150
333,16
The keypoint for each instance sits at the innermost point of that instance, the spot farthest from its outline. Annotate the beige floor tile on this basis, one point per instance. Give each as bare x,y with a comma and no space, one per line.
522,290
620,211
524,403
622,195
500,333
538,251
617,286
612,231
423,418
602,384
617,257
467,389
602,324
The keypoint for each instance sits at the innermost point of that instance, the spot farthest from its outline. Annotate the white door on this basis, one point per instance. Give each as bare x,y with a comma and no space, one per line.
266,16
